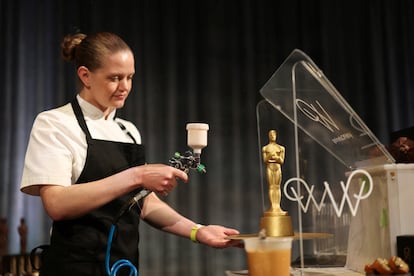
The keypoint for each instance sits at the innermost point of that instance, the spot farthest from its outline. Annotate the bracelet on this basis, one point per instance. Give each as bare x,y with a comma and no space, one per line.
193,234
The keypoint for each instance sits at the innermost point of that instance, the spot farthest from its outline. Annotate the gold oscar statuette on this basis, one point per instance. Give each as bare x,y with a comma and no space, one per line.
275,221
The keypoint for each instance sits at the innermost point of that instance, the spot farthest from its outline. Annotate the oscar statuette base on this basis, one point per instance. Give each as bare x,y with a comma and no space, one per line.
276,225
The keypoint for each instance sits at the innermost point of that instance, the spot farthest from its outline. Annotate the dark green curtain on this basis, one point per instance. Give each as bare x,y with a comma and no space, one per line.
200,61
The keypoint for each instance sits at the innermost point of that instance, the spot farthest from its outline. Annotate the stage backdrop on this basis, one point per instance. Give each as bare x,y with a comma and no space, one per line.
199,61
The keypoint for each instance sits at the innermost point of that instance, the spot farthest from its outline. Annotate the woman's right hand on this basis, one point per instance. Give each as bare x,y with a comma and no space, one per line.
160,178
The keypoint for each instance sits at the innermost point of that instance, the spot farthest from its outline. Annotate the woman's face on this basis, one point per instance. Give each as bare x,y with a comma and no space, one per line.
108,87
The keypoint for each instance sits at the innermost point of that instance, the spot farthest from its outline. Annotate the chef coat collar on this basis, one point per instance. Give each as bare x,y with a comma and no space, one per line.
91,111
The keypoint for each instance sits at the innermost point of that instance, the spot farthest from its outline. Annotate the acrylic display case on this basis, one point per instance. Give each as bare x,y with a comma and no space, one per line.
334,167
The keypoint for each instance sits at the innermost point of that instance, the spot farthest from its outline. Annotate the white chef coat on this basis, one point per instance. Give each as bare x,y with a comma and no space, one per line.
57,147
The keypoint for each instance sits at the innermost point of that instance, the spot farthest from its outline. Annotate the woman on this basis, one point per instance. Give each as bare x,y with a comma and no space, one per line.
85,163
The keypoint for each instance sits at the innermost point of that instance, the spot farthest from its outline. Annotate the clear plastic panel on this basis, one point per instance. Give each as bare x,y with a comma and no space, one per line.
302,93
325,143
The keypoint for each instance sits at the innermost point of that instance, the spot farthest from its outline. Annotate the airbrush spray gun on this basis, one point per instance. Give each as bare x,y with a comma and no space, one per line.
196,140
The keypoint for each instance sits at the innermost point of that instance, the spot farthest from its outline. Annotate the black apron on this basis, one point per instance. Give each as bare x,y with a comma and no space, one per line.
78,246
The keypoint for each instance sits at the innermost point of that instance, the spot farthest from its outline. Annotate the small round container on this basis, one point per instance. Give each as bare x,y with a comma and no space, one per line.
269,256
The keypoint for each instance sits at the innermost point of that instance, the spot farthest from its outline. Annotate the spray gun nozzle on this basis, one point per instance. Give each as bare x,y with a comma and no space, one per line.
201,168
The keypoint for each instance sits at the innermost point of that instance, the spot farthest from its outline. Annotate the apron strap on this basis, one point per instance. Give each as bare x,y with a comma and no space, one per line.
80,118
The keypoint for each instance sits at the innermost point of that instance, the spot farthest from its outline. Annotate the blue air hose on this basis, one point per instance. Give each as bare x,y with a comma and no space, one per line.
113,270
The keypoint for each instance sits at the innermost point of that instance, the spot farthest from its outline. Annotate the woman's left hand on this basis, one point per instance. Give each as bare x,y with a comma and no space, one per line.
217,236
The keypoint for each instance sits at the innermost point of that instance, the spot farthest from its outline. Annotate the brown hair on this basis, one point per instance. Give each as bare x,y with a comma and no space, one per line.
89,50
